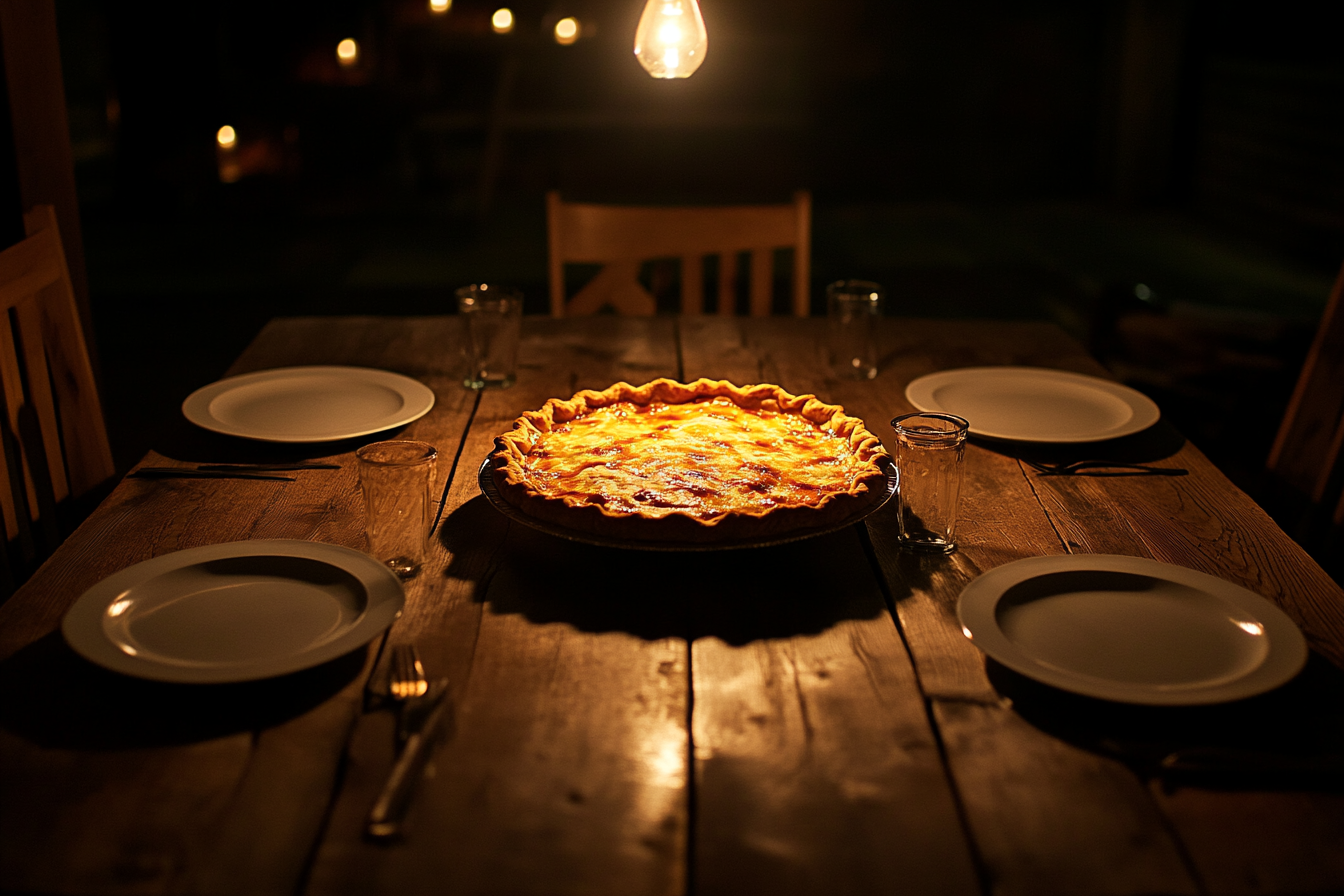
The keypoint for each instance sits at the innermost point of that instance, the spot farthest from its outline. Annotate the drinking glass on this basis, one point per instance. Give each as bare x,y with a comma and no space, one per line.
853,307
929,449
493,316
397,479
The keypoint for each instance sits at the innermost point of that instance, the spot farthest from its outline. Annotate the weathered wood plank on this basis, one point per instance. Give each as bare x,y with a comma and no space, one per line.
812,743
1239,841
1026,831
566,771
138,787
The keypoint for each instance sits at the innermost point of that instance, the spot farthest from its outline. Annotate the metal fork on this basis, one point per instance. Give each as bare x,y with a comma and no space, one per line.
407,674
1101,468
406,682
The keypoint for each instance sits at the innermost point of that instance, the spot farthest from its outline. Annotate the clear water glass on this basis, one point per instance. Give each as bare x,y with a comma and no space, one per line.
397,479
929,450
493,317
853,308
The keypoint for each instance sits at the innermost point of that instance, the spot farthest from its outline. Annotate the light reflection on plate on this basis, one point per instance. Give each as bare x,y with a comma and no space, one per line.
1035,404
234,612
1131,630
308,404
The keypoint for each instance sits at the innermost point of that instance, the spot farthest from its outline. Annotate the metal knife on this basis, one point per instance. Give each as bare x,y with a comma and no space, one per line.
389,810
190,473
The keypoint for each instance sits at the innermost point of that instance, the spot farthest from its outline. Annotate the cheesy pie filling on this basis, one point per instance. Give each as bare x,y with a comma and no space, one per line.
703,459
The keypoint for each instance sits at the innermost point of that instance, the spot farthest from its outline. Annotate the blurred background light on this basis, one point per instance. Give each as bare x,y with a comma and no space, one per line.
347,51
226,137
567,31
440,6
502,20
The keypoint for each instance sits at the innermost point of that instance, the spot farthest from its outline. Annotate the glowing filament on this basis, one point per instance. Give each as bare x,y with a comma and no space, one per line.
671,40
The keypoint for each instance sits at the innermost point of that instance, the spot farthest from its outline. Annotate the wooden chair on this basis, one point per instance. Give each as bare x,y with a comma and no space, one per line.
1308,452
621,238
54,438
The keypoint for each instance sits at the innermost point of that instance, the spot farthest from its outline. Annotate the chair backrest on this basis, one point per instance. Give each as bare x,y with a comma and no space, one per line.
1307,453
54,437
623,237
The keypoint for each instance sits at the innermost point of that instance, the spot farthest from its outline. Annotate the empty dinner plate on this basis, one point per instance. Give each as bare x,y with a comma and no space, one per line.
1131,630
234,612
1035,404
308,404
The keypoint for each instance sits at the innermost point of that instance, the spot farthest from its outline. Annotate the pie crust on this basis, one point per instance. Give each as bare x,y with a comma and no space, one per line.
695,462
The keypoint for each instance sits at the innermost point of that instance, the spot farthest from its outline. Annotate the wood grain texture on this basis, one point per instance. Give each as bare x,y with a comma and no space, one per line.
1027,837
801,718
811,741
567,769
135,786
1090,829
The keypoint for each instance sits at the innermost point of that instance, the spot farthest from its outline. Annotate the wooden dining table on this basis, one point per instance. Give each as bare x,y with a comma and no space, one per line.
799,718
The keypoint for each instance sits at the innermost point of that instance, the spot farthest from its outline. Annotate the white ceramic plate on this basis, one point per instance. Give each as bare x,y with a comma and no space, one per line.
1034,404
308,404
1131,630
234,612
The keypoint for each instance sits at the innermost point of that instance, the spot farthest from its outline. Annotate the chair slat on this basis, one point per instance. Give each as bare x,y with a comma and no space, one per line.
692,284
762,281
18,496
29,267
1301,455
728,284
88,453
40,395
590,233
54,438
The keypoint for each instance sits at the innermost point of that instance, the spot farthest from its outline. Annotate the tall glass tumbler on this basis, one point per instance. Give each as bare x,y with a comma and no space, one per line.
929,449
493,317
397,479
853,308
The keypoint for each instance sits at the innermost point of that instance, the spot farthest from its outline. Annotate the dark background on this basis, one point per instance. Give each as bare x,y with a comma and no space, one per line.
1164,179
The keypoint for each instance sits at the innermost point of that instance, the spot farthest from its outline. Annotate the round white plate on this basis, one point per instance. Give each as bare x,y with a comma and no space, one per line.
1131,630
1035,404
308,404
234,612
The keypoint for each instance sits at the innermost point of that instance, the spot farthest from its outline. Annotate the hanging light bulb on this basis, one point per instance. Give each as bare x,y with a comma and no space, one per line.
671,41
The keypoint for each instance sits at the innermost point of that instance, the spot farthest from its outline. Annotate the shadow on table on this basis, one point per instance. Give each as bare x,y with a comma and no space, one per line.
1289,737
739,596
191,444
1158,442
53,697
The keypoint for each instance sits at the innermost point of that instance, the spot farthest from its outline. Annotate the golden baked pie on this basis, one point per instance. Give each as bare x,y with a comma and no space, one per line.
700,462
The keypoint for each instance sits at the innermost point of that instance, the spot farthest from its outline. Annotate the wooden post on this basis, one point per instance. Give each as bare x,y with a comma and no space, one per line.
46,168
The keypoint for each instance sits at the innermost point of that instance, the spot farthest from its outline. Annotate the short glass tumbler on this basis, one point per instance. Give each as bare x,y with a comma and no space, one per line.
929,449
397,480
853,308
493,316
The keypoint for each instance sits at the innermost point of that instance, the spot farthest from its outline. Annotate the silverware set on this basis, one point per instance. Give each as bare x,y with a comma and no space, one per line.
421,706
230,471
1100,467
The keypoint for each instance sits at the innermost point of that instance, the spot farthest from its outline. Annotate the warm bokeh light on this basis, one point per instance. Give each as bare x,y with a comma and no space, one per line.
567,31
502,20
226,137
671,40
347,51
440,6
